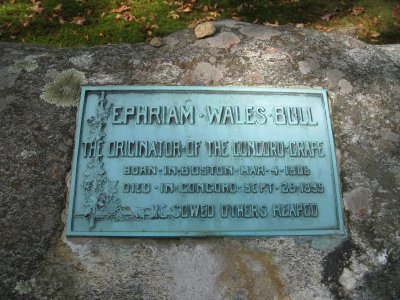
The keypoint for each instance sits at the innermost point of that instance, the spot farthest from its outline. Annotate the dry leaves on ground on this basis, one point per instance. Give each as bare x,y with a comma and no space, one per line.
322,28
125,16
121,9
78,20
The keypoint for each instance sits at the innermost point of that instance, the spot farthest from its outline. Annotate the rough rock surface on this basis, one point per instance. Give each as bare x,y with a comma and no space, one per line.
36,140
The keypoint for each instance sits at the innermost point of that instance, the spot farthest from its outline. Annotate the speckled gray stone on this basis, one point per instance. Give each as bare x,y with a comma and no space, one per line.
222,40
345,86
334,76
304,67
37,260
83,60
260,32
358,201
204,74
7,79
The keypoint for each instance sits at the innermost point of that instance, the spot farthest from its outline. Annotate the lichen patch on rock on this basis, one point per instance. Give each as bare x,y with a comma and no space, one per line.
64,90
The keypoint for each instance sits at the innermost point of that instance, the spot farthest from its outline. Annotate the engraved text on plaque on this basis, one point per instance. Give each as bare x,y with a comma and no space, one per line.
202,161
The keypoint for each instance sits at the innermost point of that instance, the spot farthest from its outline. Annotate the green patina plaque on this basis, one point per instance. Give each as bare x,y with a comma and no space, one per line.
203,161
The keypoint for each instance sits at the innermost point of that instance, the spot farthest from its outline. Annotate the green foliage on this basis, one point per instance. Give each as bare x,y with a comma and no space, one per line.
64,90
10,18
282,12
93,22
74,8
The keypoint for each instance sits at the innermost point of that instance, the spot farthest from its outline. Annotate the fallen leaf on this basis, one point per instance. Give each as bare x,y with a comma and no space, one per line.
86,36
374,34
205,8
126,16
276,23
37,8
321,28
299,25
256,21
199,21
374,21
155,27
101,34
61,20
173,15
78,20
152,18
58,8
192,25
121,9
186,10
357,10
213,14
363,31
102,14
89,12
236,18
184,7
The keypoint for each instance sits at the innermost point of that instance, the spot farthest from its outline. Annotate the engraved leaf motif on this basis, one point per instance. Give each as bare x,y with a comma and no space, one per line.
101,194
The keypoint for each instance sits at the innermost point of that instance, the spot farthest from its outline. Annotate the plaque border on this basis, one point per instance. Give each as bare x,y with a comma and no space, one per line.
212,90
